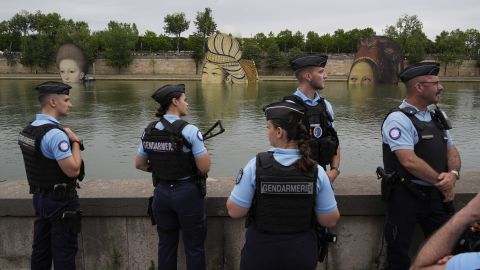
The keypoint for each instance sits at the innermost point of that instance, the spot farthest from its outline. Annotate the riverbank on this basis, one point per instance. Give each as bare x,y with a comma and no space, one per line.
190,77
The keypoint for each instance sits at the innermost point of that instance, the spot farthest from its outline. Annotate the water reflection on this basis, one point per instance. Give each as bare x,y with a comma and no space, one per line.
110,116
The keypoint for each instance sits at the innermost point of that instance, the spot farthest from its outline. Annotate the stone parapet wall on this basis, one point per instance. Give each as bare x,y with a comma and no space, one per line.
181,65
115,226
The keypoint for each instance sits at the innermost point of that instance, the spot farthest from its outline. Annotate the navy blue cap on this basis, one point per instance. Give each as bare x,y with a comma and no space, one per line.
52,87
283,110
420,69
309,60
163,92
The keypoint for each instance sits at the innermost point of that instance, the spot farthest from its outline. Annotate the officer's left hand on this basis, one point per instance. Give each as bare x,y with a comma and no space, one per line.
446,181
332,175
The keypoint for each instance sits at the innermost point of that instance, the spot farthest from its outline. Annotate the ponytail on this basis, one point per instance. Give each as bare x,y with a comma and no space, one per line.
296,131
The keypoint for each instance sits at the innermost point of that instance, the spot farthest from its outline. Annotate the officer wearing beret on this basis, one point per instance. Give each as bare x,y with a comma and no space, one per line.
53,164
283,192
319,116
173,151
418,147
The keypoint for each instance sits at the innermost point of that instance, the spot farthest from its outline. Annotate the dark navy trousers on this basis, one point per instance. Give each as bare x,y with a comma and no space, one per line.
279,251
180,206
404,210
51,236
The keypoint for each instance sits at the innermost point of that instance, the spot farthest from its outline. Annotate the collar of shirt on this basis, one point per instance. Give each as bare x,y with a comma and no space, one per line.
422,115
284,156
307,100
47,117
171,117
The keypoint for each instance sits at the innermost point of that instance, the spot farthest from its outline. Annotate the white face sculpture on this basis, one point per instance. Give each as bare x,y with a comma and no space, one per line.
70,71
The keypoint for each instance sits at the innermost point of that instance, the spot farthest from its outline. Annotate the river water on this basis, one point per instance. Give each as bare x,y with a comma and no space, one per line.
110,117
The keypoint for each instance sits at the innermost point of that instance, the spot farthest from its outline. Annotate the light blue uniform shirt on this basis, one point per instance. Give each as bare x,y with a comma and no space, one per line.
55,143
191,133
464,261
314,102
400,133
243,192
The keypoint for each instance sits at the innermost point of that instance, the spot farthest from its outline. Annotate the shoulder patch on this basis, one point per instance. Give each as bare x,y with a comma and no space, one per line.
199,136
394,133
63,146
239,177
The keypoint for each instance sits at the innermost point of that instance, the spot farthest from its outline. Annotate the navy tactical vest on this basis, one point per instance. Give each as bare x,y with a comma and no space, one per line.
323,138
431,146
164,150
284,198
42,172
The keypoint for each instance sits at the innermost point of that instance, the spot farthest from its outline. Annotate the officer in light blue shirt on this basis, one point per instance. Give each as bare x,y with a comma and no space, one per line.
280,192
53,164
417,146
173,151
319,116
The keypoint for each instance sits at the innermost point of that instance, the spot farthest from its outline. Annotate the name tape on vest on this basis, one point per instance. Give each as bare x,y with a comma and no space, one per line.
286,188
159,146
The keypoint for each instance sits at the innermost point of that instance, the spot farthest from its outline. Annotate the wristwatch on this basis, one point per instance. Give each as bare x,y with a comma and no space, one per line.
335,168
457,174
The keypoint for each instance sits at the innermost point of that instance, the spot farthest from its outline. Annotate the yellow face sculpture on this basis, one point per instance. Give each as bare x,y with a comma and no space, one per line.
212,73
70,71
361,73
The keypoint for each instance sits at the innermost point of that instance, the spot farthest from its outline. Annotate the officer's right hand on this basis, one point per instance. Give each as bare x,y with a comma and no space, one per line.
71,135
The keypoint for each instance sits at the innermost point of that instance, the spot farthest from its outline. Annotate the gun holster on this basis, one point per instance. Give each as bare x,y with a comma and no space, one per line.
201,182
324,238
387,182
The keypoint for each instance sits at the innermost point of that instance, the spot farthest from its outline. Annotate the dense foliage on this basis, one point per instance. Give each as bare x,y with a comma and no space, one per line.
36,37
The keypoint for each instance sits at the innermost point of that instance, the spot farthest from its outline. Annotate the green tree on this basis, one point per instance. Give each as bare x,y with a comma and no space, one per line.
150,41
29,52
294,53
119,41
285,40
165,43
473,43
452,47
311,44
251,51
408,33
275,58
196,44
326,43
204,22
176,24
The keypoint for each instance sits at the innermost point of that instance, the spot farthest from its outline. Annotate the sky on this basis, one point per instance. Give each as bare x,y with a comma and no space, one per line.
245,18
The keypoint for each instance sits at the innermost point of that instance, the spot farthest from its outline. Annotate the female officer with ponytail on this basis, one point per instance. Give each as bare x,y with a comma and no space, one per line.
284,193
173,151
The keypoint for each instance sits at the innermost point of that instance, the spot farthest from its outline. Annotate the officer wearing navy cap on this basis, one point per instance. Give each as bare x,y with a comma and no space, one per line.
319,116
417,146
283,192
53,163
173,151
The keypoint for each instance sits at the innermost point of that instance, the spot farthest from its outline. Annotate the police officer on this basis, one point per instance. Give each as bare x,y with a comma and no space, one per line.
319,116
284,193
418,147
173,151
53,164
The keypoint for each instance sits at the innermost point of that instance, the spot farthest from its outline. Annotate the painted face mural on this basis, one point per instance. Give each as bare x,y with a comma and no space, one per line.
71,63
378,60
223,62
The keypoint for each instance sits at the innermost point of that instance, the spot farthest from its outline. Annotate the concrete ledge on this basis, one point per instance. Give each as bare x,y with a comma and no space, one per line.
115,227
